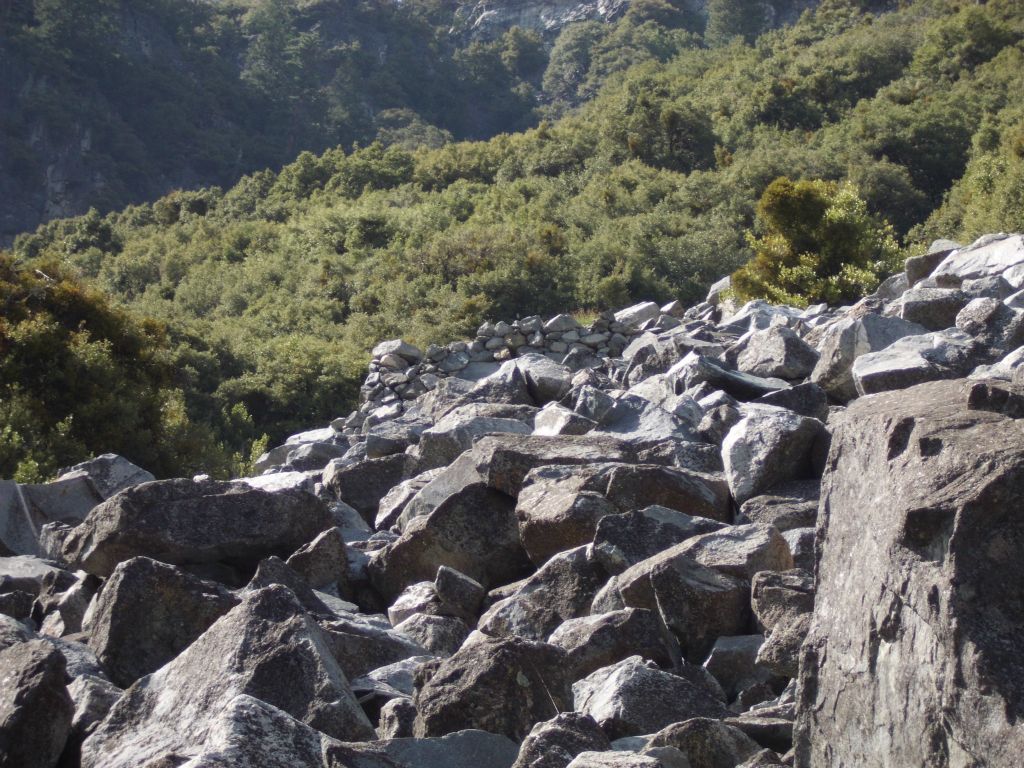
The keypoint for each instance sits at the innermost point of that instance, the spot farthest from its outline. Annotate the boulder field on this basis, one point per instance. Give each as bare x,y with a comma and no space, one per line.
723,536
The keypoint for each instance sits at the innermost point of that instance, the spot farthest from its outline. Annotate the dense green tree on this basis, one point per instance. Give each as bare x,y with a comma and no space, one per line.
727,19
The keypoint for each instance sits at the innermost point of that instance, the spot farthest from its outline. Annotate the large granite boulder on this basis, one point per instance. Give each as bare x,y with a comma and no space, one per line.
848,339
913,657
634,697
554,743
503,686
266,648
770,446
473,531
948,354
35,708
147,613
183,522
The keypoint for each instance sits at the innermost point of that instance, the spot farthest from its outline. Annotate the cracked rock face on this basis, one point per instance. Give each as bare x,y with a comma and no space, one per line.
915,653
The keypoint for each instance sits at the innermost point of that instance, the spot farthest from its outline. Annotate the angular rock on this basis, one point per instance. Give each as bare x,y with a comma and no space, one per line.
770,446
464,749
624,540
939,579
991,255
440,635
265,648
807,399
459,430
25,509
363,485
915,360
323,561
614,760
459,594
786,506
635,697
397,719
503,686
397,347
147,613
801,545
733,662
554,743
35,708
932,308
638,314
740,550
697,603
780,597
706,743
562,589
473,531
598,641
27,573
555,419
108,474
781,651
695,369
847,340
361,645
777,352
394,502
185,522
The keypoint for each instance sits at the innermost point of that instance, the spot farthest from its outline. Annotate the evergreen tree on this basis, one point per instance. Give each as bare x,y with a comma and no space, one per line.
734,18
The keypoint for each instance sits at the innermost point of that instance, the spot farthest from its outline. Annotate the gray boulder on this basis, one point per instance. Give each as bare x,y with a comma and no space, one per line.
147,613
697,603
931,615
807,399
562,589
458,430
614,760
777,352
706,743
991,255
184,522
695,369
554,743
740,550
847,340
473,531
108,474
786,506
361,644
323,562
769,446
626,539
440,635
555,419
463,749
364,484
914,360
35,708
25,509
597,641
932,308
634,697
265,648
503,686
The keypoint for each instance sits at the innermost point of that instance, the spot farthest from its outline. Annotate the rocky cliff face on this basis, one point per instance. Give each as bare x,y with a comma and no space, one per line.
717,537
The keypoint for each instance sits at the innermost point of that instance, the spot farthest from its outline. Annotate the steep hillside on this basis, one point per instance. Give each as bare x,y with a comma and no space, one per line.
108,102
274,291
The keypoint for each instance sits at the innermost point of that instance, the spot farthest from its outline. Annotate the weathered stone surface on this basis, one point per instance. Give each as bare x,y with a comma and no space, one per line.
473,531
459,594
363,485
916,359
786,506
740,550
416,598
394,502
555,419
993,323
459,430
801,545
398,347
503,686
932,308
777,352
695,369
638,421
25,509
623,540
614,760
147,613
35,708
265,648
781,651
733,662
554,743
185,522
93,698
706,743
397,719
770,446
697,603
464,749
807,399
991,255
930,618
597,641
780,597
562,589
26,573
441,635
361,644
108,474
635,697
847,340
323,562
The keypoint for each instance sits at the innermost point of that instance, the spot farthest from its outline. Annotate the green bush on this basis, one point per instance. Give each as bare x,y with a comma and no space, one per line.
818,244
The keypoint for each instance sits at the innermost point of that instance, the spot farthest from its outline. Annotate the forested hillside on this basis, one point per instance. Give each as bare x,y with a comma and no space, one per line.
109,102
270,294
